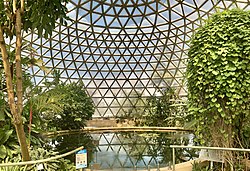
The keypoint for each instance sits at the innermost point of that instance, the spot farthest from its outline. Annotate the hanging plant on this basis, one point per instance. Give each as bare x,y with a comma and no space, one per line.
218,76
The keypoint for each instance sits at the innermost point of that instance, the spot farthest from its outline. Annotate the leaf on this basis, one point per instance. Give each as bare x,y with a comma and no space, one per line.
220,110
190,124
214,100
2,115
223,114
215,72
214,56
5,135
217,105
3,152
8,113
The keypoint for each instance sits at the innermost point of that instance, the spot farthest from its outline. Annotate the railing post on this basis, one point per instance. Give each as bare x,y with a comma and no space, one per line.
173,159
158,166
135,168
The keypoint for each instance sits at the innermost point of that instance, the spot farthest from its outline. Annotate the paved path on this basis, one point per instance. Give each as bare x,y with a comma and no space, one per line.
186,166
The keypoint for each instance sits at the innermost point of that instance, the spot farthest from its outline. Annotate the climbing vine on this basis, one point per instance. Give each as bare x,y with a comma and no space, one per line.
218,76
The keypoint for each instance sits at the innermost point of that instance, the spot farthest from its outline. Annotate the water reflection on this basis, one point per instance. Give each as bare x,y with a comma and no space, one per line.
126,150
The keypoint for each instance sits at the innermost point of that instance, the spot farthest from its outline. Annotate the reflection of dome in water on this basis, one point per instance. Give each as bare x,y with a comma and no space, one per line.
117,152
120,48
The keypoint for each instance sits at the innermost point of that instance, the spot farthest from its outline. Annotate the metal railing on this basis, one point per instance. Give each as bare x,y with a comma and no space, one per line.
42,160
206,148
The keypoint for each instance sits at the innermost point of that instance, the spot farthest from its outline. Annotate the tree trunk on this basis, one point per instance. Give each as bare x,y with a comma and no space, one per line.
22,141
19,79
19,89
11,100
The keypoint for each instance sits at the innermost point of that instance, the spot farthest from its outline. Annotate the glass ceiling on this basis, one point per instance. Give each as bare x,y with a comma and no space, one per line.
123,49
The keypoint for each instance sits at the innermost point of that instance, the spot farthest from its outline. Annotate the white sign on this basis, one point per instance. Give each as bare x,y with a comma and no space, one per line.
81,159
211,155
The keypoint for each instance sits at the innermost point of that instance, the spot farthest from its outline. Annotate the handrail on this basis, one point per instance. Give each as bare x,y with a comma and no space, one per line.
42,160
207,148
117,129
211,148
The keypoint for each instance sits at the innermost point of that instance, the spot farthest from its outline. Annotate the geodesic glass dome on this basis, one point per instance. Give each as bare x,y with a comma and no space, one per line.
122,49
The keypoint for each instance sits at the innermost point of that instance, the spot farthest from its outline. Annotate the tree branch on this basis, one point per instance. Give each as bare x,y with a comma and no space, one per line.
6,64
14,6
22,6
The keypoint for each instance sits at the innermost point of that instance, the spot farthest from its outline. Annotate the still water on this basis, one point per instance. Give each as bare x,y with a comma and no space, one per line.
126,151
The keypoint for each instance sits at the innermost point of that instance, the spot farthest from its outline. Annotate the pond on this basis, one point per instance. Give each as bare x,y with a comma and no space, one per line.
126,150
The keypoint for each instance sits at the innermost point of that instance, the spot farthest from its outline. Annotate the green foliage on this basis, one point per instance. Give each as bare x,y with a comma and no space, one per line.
8,141
17,16
59,164
13,168
43,103
219,75
9,147
38,154
43,14
197,166
77,107
40,15
67,102
158,110
66,143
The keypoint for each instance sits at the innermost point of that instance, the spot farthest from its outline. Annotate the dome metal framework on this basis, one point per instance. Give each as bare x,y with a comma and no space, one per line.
122,49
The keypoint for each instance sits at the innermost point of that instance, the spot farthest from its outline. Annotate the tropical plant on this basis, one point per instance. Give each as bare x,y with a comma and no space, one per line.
76,107
17,16
39,154
8,140
219,80
158,110
53,165
13,168
70,142
40,104
198,166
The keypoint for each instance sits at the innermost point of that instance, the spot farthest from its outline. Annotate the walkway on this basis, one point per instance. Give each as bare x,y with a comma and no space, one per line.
186,166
